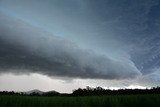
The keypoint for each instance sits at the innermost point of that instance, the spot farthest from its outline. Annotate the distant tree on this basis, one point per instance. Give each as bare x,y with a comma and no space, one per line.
90,91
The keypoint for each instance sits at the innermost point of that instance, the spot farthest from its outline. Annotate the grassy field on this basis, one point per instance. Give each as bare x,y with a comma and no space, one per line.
152,100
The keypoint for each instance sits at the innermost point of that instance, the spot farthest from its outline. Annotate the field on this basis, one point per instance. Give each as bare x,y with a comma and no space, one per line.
150,100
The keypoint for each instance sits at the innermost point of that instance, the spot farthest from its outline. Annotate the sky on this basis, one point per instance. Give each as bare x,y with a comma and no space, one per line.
66,44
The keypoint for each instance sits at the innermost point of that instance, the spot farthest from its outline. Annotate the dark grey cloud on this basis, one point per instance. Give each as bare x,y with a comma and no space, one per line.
29,49
123,34
126,31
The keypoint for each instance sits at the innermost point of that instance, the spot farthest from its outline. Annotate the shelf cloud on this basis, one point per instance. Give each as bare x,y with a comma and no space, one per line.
28,49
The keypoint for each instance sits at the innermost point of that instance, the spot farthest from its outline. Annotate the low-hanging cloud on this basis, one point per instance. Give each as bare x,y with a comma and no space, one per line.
23,46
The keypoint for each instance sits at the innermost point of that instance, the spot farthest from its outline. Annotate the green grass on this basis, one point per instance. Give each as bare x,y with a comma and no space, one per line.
152,100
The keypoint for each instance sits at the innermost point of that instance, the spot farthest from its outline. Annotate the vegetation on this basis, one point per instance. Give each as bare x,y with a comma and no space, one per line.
89,97
100,91
88,91
150,100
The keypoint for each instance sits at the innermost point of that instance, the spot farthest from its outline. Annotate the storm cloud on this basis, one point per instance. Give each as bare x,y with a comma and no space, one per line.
95,39
28,49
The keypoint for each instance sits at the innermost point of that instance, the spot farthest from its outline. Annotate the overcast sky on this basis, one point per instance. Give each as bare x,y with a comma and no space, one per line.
65,44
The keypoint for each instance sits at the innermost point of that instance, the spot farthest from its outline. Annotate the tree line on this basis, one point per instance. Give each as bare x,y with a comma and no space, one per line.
88,91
